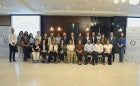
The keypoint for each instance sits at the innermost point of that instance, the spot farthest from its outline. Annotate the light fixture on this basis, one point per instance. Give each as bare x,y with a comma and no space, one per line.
131,2
52,29
73,25
59,29
87,29
116,1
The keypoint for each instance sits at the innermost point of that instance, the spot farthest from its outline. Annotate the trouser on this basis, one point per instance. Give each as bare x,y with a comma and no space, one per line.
103,56
61,56
26,52
12,50
52,55
121,54
79,56
109,56
70,56
35,55
44,54
20,51
113,53
93,57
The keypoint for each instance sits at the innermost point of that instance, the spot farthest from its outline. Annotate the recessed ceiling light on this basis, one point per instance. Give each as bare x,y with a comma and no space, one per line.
42,7
94,8
4,7
118,9
68,7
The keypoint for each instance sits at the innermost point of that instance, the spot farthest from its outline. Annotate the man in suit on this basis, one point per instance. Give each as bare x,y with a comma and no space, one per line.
65,38
79,37
93,38
87,37
12,45
72,38
112,39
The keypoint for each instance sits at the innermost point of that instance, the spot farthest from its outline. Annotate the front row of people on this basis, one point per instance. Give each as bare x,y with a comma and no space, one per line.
63,51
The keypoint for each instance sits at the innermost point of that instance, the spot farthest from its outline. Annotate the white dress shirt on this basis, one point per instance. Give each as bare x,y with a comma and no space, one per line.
12,38
88,47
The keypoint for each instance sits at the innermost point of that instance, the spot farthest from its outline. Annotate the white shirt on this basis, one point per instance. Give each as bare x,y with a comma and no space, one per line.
44,50
70,47
88,47
98,48
108,48
38,37
12,38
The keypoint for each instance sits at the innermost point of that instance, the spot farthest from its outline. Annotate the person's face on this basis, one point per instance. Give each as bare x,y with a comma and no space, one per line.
103,36
99,34
70,42
21,33
51,34
107,42
93,34
12,30
72,34
88,41
36,41
79,42
79,34
43,41
62,42
98,42
111,34
87,34
45,34
122,34
64,34
38,33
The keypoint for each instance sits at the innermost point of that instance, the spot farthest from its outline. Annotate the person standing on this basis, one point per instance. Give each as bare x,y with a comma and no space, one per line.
25,44
112,39
12,45
65,38
19,45
58,39
121,44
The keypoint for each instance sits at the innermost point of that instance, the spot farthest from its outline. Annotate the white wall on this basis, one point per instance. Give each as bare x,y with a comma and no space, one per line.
4,47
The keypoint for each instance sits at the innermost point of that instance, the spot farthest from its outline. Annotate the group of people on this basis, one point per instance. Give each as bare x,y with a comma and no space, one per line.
66,48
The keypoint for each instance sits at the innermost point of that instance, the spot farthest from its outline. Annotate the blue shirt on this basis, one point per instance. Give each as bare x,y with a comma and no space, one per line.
88,47
122,41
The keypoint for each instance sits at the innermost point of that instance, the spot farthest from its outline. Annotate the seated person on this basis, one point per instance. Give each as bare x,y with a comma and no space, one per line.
53,47
88,48
61,50
44,50
98,48
79,51
36,51
70,51
108,50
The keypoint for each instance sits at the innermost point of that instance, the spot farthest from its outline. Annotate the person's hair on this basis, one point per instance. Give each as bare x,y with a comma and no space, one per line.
21,32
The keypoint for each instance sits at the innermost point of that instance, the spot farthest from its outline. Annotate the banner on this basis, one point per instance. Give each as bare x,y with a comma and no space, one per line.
132,44
4,45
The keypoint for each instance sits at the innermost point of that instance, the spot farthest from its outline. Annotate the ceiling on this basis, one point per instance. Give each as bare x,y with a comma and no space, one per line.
69,7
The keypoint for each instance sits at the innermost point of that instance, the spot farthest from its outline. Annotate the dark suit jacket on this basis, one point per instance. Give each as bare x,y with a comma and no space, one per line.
113,41
65,40
85,40
70,38
46,47
93,41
